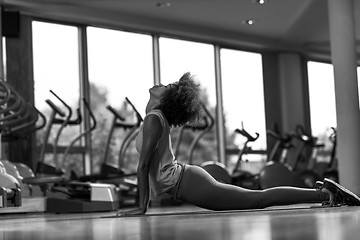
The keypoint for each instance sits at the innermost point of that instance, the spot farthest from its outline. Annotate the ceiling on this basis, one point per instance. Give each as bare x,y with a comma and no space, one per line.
280,25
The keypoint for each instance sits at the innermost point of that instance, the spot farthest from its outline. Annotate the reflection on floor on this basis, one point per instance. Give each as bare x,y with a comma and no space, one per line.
187,222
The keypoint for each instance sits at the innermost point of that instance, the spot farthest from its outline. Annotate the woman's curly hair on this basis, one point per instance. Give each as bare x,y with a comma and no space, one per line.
181,104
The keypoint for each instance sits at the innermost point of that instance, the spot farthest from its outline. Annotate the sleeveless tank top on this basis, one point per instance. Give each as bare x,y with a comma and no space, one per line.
164,170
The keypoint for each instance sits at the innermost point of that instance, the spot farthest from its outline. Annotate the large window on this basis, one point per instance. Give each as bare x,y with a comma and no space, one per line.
176,58
120,67
322,106
322,97
179,56
120,70
243,100
56,68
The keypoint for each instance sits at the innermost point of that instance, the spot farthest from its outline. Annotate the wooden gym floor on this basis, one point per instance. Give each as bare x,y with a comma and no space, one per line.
303,222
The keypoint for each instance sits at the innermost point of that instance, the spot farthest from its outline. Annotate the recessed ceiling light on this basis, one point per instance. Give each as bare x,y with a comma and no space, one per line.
163,4
249,22
261,2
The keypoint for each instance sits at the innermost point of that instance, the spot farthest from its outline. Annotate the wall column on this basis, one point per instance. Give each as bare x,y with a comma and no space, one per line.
219,107
272,95
343,54
293,92
1,45
19,71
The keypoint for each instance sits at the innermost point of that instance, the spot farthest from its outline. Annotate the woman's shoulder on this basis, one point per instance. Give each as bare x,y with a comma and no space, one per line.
158,113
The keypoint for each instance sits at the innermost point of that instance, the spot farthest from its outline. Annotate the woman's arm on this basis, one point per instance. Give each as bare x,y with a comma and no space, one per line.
152,130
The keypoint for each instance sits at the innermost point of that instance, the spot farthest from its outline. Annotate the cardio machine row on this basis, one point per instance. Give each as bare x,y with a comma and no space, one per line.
59,190
292,161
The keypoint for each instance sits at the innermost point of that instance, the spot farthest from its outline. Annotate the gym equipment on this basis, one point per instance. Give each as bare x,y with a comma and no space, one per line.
218,170
241,177
66,195
74,196
283,143
16,123
81,135
7,180
116,174
80,197
9,167
64,121
281,173
12,170
110,170
215,168
18,118
46,174
5,92
130,137
27,173
10,197
22,131
332,172
63,196
43,168
309,176
47,181
237,176
10,192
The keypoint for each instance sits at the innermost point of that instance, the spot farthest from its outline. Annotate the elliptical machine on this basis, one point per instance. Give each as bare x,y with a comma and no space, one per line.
110,171
237,176
115,173
241,177
282,173
72,195
57,117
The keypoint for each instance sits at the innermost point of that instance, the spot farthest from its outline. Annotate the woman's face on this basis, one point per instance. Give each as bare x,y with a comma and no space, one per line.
156,93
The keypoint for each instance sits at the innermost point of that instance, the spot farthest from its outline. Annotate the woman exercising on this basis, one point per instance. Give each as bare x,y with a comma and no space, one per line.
159,172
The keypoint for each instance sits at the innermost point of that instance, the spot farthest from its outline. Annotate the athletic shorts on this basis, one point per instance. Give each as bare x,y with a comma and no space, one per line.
174,191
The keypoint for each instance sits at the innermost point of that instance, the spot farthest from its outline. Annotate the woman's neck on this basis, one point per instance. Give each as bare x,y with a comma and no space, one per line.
152,104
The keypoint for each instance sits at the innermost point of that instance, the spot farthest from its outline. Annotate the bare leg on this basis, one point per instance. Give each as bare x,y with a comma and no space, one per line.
201,189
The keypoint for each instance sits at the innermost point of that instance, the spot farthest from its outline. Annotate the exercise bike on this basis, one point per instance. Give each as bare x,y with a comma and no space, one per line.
281,172
332,171
237,176
308,175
